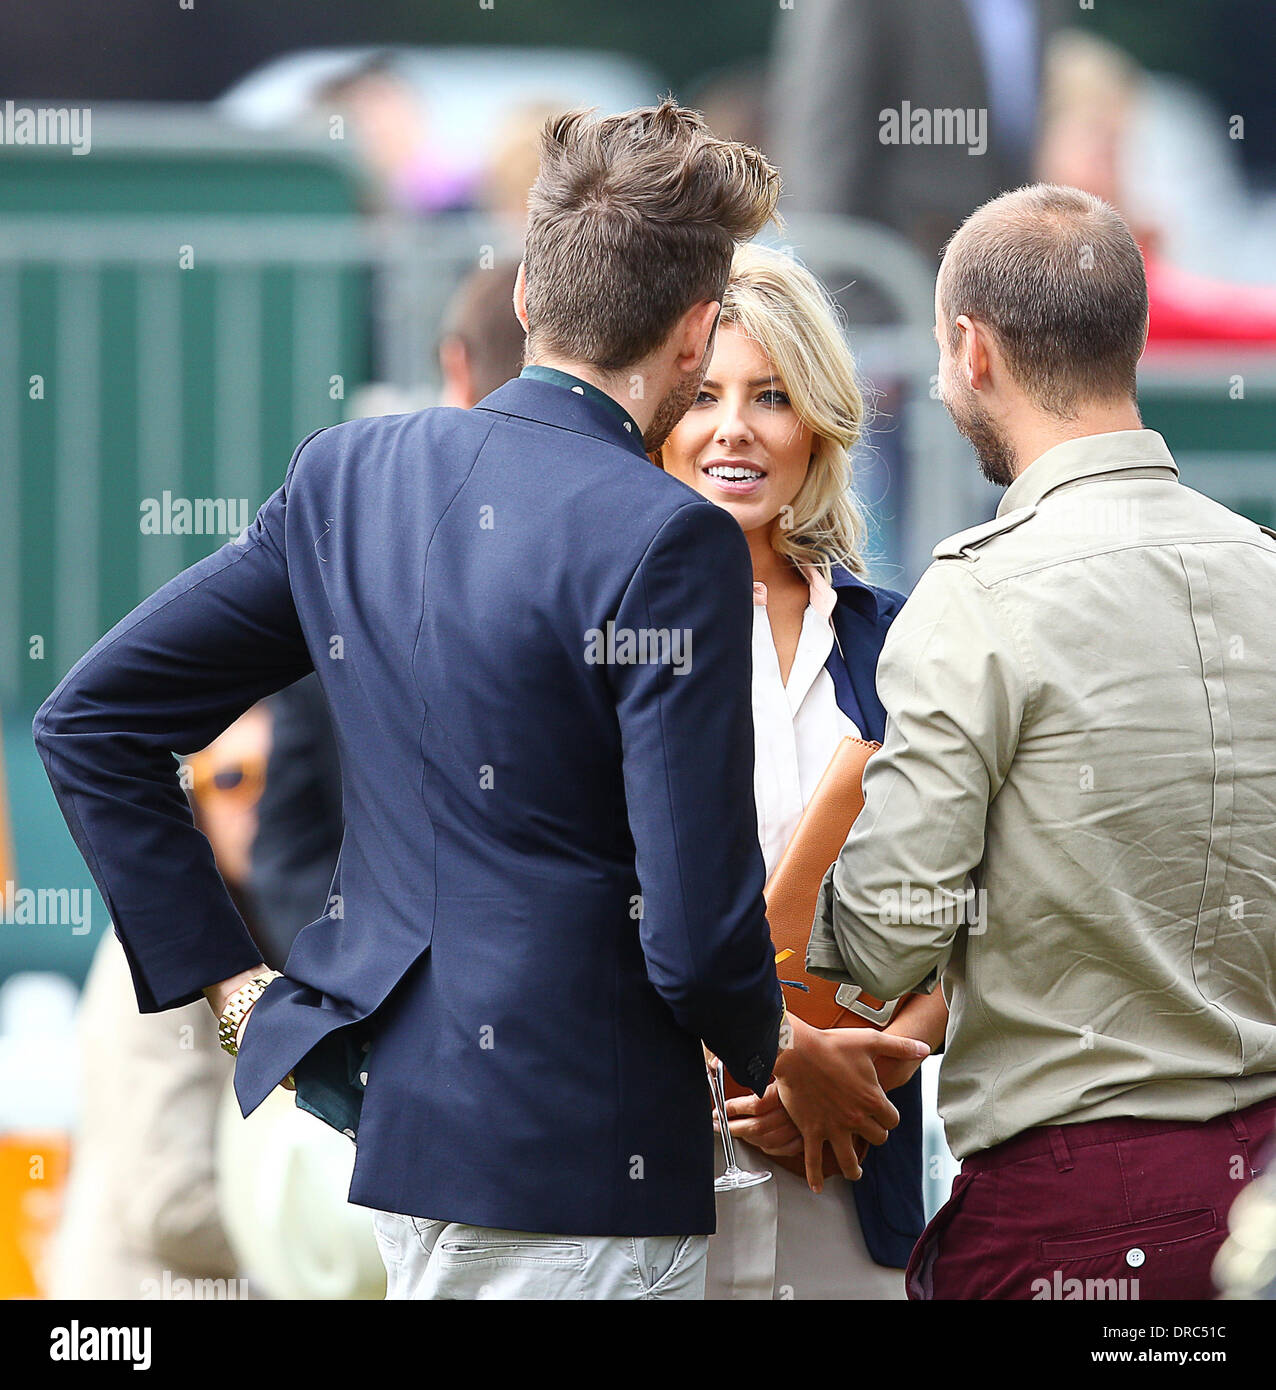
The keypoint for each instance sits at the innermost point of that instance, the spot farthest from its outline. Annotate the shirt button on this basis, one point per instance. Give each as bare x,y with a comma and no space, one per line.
363,1078
1134,1258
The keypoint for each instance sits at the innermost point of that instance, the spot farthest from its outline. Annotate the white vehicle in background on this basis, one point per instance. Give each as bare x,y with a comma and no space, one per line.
465,98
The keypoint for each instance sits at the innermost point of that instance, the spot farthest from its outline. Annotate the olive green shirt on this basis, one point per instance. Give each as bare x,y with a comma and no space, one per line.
1073,815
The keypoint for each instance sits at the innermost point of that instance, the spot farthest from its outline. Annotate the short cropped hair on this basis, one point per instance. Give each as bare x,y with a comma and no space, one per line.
1056,275
481,316
632,221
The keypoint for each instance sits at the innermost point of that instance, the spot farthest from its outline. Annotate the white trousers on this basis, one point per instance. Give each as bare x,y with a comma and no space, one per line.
780,1240
448,1260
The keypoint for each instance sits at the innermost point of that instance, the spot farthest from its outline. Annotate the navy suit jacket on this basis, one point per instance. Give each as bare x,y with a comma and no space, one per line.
550,884
888,1198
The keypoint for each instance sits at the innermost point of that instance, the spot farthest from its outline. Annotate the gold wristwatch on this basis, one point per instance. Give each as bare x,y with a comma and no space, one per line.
237,1007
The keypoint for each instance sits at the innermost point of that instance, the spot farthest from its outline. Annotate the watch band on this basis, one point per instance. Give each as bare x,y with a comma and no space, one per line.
237,1007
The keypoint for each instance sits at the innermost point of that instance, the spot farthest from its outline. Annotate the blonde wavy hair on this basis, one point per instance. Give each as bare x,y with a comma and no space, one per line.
782,307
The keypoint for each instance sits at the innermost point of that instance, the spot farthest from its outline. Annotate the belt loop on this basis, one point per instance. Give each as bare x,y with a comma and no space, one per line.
1059,1148
1239,1128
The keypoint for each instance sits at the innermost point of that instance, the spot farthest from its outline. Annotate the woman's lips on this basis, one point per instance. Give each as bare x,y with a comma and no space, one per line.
736,486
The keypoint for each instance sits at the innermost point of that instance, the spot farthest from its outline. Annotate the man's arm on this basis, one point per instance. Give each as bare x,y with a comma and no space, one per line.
954,680
169,678
688,765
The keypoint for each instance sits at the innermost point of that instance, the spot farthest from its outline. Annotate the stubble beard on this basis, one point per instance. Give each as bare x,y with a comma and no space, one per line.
997,460
672,407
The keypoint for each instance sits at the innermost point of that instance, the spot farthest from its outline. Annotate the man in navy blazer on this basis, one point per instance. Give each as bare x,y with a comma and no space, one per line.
535,649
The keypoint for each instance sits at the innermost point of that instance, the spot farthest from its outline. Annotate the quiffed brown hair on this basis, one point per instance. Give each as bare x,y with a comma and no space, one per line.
632,221
1058,277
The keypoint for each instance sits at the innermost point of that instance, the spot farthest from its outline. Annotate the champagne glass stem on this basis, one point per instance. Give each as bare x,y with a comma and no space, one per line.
720,1105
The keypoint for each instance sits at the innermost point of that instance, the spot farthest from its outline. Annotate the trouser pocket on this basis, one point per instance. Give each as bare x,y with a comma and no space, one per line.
471,1262
670,1266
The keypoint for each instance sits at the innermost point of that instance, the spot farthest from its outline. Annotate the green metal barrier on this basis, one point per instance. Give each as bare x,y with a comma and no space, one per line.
174,317
1217,411
178,308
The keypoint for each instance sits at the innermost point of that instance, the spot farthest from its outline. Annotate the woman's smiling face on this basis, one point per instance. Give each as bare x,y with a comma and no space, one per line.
741,444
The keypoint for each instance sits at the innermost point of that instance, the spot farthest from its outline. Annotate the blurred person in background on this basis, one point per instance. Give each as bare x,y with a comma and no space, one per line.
481,340
141,1218
769,440
513,164
389,125
840,64
1096,101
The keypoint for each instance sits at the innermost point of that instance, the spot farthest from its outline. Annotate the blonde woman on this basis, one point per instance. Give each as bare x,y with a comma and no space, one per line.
769,440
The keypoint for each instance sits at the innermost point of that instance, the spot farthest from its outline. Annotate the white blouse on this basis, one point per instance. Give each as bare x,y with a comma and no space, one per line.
796,726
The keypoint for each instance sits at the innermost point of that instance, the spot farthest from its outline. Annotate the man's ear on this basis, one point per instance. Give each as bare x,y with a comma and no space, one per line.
975,352
696,338
520,296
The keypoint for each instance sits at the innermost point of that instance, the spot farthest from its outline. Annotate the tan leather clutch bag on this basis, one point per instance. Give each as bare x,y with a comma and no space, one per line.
793,891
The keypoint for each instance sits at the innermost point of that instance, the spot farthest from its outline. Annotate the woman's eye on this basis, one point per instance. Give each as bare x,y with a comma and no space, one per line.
774,398
703,398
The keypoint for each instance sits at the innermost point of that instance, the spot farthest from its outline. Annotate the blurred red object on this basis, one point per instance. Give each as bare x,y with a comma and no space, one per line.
1188,308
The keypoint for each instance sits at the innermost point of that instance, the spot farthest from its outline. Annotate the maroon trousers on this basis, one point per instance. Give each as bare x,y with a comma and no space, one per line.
1111,1209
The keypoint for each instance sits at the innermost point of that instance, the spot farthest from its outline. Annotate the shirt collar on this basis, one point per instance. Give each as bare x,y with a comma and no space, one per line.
583,388
1086,457
861,595
525,398
823,595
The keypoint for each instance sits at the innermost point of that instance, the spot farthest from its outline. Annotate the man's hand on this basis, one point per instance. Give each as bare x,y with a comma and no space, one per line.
766,1124
827,1082
922,1016
218,995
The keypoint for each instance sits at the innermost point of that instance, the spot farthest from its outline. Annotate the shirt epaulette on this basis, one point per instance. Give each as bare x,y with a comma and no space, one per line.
959,546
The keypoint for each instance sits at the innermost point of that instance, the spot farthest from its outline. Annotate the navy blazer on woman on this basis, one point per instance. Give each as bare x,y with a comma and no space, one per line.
550,884
888,1198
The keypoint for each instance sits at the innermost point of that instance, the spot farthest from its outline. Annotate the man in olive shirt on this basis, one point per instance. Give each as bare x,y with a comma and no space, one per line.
1072,816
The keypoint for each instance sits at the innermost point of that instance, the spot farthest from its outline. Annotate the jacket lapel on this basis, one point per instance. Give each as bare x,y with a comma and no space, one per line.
860,621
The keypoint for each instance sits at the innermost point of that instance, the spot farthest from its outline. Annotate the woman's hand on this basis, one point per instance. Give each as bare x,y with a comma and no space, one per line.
923,1016
764,1122
827,1082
